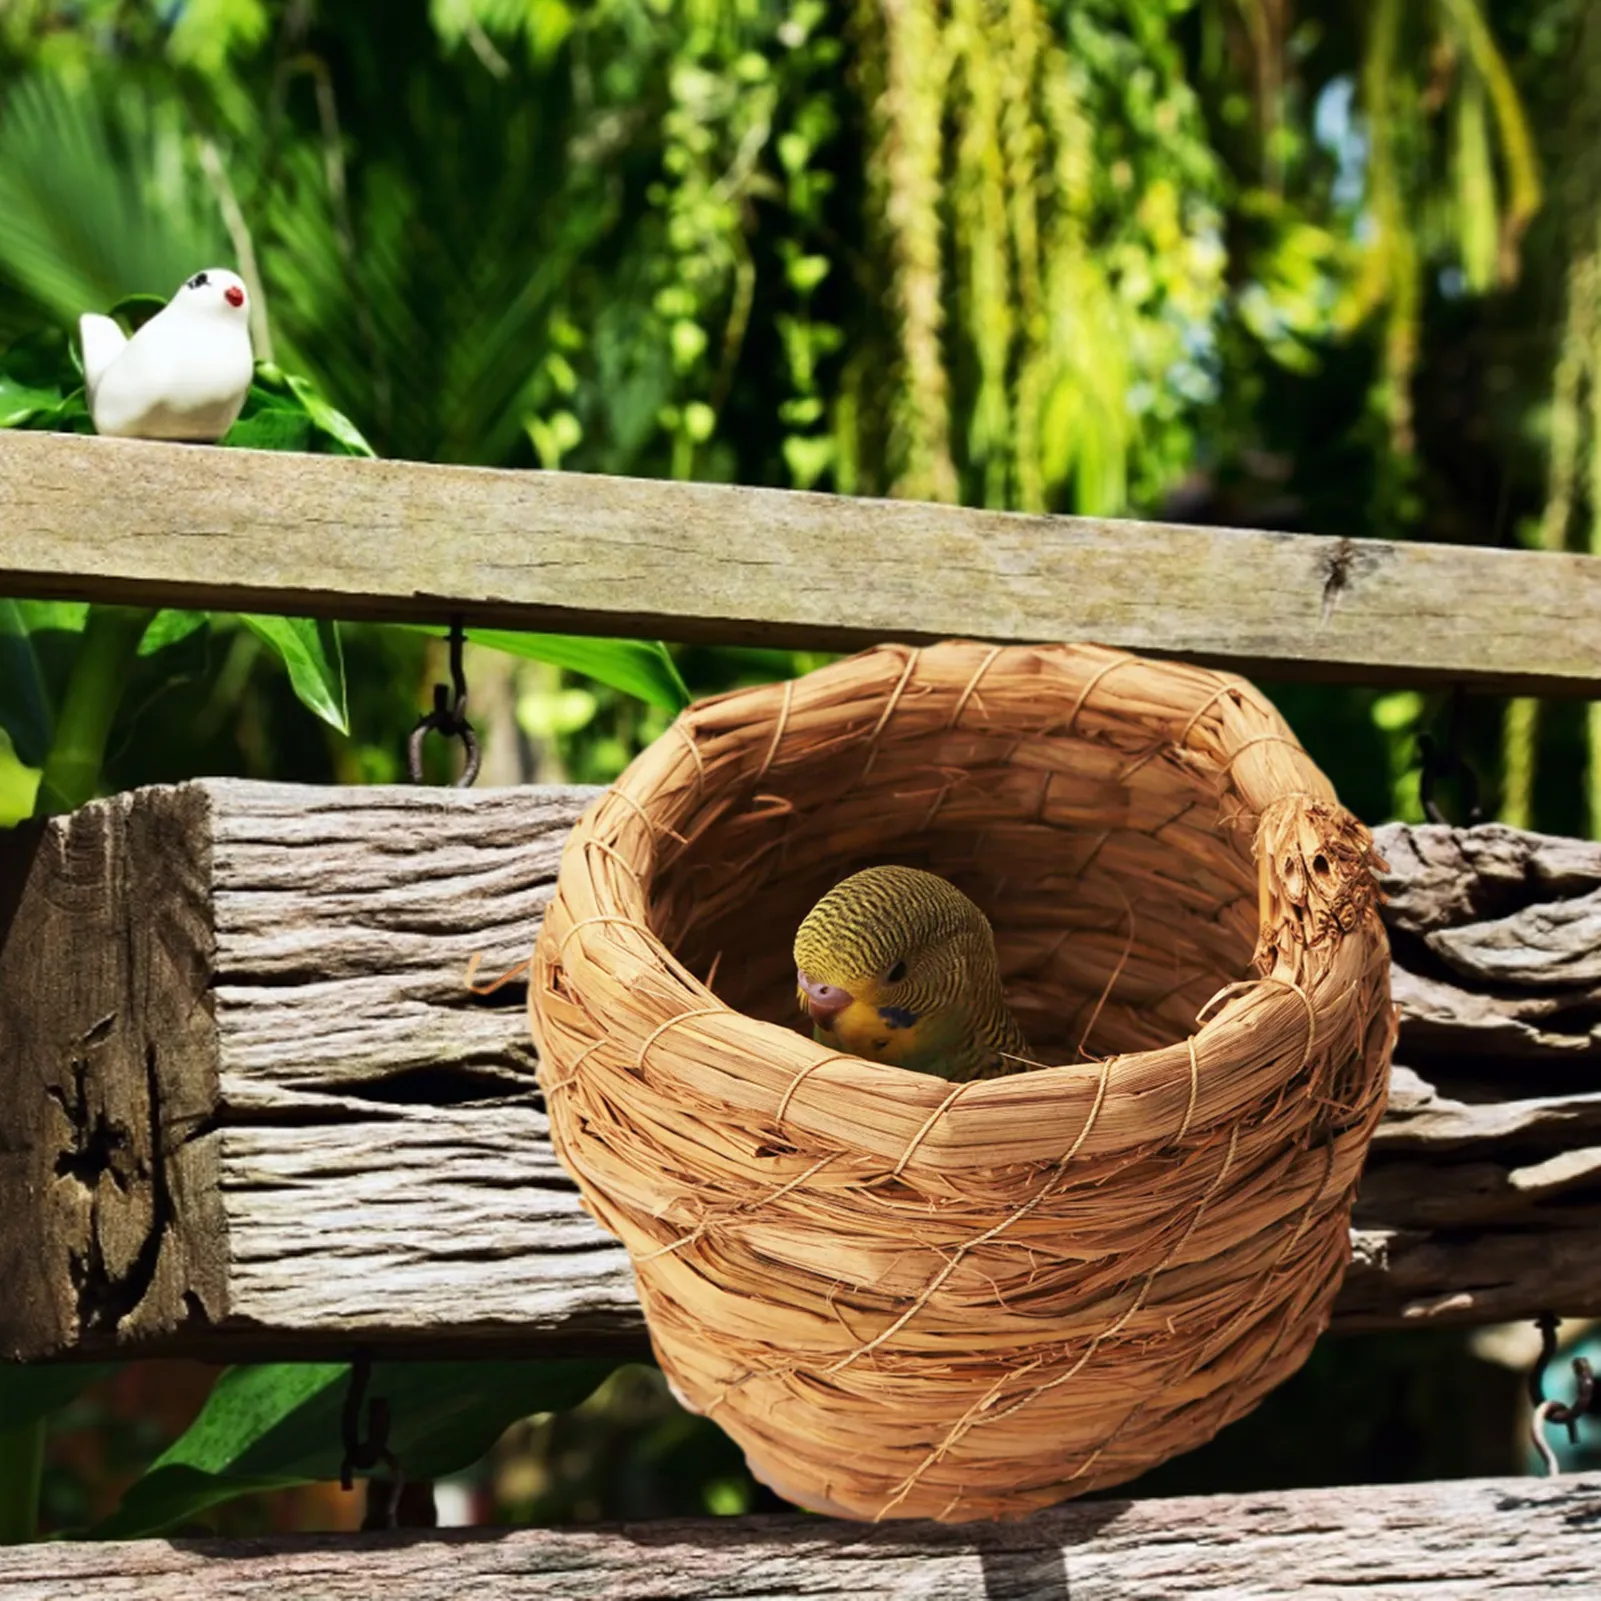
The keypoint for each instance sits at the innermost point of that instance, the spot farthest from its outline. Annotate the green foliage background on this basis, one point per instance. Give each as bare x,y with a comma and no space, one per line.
1327,266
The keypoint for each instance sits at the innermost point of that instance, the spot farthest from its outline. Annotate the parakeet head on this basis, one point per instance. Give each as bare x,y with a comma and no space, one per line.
217,291
895,964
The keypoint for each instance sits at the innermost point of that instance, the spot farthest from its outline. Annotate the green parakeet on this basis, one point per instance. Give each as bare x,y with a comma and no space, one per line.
899,966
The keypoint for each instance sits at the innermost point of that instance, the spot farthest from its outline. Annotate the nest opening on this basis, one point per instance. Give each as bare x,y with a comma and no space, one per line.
1121,897
1091,969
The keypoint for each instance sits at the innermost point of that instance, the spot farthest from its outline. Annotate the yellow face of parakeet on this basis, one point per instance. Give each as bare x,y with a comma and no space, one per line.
899,966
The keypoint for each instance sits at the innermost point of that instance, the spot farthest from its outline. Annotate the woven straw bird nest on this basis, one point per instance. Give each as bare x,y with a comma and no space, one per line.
904,1297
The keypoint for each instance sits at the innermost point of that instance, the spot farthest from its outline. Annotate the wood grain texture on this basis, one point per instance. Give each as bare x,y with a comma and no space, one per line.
1469,1540
255,1111
159,524
364,1154
118,1209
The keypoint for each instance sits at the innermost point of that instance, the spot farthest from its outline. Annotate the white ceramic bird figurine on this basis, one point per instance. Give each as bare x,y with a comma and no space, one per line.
184,374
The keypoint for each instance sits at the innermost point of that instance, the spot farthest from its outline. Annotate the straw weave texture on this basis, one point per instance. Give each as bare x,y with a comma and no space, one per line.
909,1298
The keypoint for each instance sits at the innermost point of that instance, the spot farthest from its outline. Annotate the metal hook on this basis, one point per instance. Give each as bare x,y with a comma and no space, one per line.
449,716
364,1454
1587,1396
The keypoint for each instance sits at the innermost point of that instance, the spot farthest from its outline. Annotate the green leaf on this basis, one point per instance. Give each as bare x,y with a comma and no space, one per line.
284,411
269,1427
206,32
20,402
311,651
802,411
807,459
805,273
273,428
168,627
54,616
688,341
635,666
331,421
39,383
41,359
28,1392
19,784
26,710
794,150
136,310
699,421
67,416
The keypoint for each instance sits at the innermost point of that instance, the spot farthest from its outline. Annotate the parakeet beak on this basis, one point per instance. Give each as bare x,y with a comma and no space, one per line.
824,1001
234,295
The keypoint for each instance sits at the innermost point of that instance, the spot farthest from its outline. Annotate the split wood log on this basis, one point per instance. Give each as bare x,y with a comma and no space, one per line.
135,522
253,1112
1482,1192
1468,1540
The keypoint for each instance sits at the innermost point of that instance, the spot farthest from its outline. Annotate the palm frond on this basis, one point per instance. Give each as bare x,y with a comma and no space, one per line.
100,198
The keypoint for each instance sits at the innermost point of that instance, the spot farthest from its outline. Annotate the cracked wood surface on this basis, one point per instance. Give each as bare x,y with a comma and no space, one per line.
253,1111
181,525
1481,1197
1468,1540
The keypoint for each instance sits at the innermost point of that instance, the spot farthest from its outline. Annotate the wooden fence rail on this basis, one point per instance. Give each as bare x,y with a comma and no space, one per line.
1471,1540
252,1110
130,521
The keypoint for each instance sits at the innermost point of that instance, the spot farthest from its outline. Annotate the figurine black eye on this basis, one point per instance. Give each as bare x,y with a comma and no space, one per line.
197,282
896,973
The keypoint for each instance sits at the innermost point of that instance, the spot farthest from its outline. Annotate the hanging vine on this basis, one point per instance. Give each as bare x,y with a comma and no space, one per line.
1573,484
1052,167
715,133
1418,66
809,71
908,122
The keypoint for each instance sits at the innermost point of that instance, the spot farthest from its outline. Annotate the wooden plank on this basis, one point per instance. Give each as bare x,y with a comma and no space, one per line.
182,525
1468,1540
256,1112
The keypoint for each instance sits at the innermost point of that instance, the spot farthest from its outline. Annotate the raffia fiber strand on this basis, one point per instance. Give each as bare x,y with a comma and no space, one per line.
912,1300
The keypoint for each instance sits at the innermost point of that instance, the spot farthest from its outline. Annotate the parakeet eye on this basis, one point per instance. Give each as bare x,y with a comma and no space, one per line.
199,281
896,973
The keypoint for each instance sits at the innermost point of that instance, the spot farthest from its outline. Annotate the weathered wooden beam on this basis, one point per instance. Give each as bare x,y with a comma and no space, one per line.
1482,1193
252,1110
1463,1540
251,1107
181,525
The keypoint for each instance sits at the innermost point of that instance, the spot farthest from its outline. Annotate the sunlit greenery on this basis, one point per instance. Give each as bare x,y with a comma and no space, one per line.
1209,258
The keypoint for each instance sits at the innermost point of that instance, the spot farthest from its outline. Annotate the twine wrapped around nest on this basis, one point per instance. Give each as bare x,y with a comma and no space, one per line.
908,1298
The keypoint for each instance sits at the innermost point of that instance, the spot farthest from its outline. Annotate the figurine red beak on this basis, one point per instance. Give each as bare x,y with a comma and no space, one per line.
234,295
